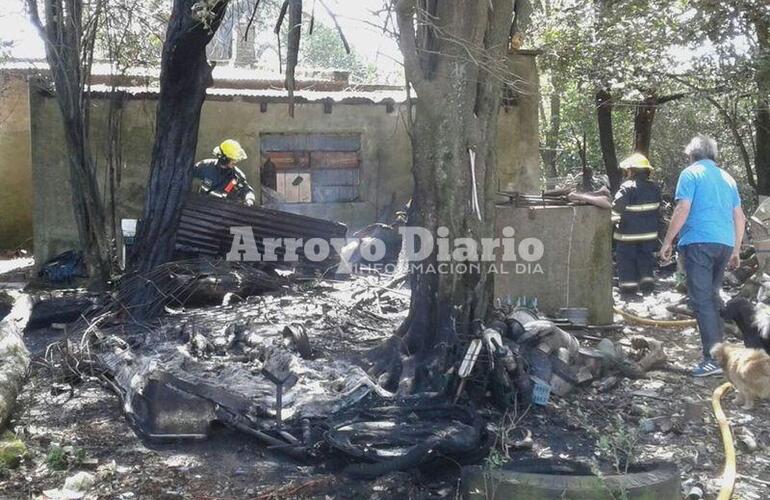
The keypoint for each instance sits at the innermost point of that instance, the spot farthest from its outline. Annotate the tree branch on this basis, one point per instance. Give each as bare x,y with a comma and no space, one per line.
281,15
731,124
337,25
292,48
405,13
251,20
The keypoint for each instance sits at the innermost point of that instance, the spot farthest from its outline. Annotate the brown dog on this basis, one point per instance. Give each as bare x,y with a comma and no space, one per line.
747,369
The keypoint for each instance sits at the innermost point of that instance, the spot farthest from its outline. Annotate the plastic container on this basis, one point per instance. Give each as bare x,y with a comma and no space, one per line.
541,391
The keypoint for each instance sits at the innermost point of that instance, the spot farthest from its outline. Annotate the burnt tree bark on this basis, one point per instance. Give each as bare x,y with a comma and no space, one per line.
607,138
69,44
454,57
185,75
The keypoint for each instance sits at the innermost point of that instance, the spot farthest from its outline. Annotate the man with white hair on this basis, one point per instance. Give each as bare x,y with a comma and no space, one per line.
710,222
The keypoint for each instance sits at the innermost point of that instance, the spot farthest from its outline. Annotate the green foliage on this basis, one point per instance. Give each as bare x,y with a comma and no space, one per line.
616,440
495,459
712,52
12,450
56,458
131,32
64,457
324,50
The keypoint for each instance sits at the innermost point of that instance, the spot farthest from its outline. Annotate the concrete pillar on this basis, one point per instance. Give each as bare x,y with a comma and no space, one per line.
518,139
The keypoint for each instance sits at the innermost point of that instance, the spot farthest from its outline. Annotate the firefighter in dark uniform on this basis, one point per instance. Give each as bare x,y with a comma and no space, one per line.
638,204
221,178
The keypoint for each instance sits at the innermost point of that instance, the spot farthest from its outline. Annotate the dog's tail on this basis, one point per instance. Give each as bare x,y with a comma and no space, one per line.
719,353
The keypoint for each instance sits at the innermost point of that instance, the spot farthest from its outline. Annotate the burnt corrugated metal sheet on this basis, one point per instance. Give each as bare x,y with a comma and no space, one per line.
205,222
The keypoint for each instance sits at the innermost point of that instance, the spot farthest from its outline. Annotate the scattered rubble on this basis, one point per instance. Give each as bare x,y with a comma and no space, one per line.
283,363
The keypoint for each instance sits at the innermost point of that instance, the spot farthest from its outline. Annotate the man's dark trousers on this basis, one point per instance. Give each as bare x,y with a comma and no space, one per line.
705,265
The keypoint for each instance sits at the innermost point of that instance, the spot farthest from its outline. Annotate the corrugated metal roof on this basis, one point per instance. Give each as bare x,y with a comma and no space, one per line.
350,96
235,83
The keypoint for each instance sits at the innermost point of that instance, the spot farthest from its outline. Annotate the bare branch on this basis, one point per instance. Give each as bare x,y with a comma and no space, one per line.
34,14
292,48
251,20
337,25
312,18
281,15
405,14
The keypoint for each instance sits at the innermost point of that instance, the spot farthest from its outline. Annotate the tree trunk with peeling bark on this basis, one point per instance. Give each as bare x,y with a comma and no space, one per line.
454,63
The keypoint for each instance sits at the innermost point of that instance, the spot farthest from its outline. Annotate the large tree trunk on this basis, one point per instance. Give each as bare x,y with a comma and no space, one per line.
607,137
456,112
185,75
762,115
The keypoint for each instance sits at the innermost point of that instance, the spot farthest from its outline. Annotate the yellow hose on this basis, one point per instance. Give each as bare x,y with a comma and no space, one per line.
729,474
679,323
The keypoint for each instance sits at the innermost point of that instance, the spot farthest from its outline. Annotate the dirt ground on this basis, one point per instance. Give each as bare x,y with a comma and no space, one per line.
82,428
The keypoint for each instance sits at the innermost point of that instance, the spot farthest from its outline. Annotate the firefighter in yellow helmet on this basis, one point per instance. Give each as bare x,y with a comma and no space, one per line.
221,178
638,203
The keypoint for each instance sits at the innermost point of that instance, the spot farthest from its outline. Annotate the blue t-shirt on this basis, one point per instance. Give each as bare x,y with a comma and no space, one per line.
713,196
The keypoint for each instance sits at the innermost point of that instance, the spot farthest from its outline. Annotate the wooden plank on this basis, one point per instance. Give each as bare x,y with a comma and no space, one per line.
335,159
289,160
334,194
305,191
333,142
301,193
335,177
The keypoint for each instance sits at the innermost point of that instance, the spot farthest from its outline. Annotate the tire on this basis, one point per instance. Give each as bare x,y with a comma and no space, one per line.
657,481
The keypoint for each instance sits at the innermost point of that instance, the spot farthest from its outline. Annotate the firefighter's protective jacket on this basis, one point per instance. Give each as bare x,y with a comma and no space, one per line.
638,203
222,182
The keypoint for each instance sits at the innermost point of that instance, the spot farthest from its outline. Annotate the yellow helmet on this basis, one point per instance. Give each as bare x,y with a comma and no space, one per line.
636,160
231,150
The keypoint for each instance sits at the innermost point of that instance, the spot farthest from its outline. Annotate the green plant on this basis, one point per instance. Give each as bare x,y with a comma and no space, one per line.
616,442
12,451
56,458
79,457
505,438
495,459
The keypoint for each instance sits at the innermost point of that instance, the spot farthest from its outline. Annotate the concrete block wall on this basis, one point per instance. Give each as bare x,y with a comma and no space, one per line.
386,179
15,163
576,267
